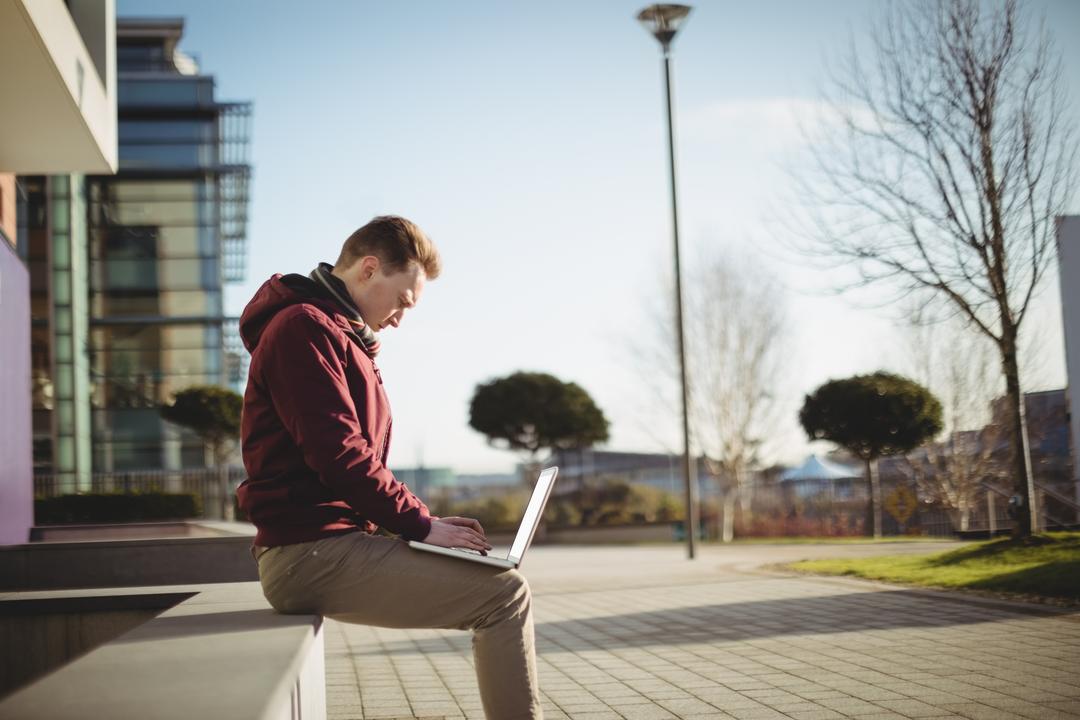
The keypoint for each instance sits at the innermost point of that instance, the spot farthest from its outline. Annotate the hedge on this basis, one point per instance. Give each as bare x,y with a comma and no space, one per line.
92,508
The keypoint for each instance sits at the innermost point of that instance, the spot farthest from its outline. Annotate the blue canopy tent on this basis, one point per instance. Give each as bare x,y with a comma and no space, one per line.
817,476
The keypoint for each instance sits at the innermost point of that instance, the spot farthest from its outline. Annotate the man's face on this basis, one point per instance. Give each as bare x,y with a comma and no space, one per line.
381,298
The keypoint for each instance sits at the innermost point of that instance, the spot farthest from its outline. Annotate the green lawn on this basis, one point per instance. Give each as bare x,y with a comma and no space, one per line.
841,540
1046,566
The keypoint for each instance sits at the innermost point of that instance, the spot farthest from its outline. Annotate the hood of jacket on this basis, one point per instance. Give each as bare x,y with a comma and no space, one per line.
278,293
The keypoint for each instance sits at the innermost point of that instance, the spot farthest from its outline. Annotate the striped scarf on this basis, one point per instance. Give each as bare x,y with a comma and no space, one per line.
335,288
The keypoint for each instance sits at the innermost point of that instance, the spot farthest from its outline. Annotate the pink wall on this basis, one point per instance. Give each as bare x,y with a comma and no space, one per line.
16,459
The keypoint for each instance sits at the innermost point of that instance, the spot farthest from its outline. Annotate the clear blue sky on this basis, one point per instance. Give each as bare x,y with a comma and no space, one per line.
528,140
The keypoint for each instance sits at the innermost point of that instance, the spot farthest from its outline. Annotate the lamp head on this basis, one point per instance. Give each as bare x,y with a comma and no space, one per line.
663,21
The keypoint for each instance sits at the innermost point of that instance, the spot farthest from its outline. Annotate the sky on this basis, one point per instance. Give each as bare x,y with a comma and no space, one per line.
528,140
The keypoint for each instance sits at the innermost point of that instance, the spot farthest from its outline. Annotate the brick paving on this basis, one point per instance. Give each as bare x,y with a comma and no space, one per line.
643,634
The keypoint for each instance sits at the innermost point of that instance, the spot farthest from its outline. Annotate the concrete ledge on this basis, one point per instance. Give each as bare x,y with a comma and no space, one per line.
139,531
222,653
40,635
126,563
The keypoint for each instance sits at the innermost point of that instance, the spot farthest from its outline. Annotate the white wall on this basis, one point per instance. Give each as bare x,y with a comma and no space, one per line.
1068,233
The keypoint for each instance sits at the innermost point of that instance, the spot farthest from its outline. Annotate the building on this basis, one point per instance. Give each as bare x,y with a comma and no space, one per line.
1048,435
428,482
578,468
151,249
58,83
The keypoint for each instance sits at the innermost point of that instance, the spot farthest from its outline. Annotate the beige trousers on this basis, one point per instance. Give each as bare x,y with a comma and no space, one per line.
375,580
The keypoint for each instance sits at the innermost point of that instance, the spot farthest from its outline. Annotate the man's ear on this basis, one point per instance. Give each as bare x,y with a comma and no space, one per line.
367,267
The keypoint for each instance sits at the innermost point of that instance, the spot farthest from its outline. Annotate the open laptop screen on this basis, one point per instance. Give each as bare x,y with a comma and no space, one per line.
532,513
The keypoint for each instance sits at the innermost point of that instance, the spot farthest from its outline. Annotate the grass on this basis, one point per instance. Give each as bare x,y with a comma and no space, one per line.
801,540
1043,567
837,540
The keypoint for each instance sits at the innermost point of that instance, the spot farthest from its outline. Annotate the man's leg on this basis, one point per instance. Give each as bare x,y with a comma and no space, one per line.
380,581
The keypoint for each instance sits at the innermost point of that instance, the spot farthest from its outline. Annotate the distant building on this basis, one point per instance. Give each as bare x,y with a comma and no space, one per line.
469,486
659,470
424,481
1048,434
165,234
443,484
958,469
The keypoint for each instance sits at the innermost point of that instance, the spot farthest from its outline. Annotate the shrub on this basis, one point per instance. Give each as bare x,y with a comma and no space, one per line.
612,503
494,513
115,507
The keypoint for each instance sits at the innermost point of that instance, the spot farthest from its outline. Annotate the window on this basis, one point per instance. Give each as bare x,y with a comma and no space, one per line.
168,131
167,155
166,91
149,302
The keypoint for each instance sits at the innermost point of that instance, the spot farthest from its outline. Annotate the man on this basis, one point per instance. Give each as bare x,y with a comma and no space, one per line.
315,436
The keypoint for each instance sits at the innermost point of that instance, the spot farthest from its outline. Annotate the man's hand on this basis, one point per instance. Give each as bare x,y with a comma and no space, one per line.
457,532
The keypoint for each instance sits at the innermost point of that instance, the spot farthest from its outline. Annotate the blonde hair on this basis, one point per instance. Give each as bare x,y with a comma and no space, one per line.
396,242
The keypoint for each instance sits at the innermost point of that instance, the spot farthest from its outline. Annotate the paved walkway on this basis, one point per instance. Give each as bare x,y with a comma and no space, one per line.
642,633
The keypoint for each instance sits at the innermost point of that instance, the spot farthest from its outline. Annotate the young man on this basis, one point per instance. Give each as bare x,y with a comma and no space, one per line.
315,435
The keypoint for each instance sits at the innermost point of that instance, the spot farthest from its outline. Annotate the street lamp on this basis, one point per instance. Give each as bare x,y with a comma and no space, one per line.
663,21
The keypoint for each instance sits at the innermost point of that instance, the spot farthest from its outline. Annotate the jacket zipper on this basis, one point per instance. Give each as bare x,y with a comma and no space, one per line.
385,442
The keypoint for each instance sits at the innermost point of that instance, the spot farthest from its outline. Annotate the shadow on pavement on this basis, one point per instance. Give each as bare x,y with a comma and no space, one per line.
739,621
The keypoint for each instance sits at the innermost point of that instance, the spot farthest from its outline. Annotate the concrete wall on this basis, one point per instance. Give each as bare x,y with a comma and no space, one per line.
1068,233
39,636
124,563
220,653
16,451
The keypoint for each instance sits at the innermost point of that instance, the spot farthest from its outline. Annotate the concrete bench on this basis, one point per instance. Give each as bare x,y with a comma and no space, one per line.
163,627
182,651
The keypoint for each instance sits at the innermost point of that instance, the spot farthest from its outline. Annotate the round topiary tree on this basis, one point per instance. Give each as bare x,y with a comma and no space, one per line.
531,412
872,416
214,414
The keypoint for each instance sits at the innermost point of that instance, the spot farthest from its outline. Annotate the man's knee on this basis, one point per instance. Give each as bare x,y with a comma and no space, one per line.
517,587
512,599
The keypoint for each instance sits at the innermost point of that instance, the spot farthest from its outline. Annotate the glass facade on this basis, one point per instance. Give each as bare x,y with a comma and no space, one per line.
166,92
34,220
56,238
154,248
155,258
127,270
71,455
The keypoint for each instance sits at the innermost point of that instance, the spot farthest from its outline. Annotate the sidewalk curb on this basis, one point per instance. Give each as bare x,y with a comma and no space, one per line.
958,596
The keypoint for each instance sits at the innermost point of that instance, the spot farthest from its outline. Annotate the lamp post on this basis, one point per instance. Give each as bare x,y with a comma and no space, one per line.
663,21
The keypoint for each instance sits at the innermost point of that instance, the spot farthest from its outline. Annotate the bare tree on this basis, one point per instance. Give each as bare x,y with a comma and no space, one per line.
957,363
954,155
736,352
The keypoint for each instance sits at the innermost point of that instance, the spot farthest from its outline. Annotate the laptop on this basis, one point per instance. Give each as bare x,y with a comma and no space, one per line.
522,540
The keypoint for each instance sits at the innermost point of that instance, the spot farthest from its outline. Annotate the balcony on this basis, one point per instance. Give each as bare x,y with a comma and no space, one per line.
58,78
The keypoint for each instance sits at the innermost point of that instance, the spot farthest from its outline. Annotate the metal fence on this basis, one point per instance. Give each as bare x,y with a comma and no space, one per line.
771,511
777,511
214,487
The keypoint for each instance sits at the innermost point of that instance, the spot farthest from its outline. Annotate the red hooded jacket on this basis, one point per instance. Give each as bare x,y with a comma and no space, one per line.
315,429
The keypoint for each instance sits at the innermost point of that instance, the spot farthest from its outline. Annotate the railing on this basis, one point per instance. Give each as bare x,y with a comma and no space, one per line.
214,487
1050,496
1053,509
